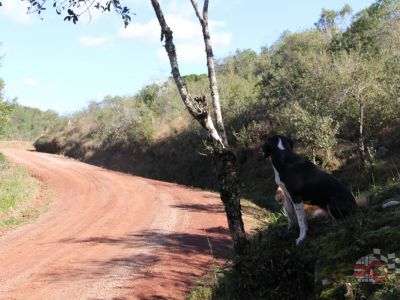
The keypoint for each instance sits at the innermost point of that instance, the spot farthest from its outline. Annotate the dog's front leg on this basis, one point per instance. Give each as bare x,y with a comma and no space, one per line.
289,210
283,197
301,219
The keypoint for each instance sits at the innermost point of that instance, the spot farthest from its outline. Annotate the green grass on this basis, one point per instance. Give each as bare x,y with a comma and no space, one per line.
203,291
17,189
274,268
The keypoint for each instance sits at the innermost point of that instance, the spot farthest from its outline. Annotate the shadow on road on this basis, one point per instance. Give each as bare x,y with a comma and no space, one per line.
209,208
159,260
215,239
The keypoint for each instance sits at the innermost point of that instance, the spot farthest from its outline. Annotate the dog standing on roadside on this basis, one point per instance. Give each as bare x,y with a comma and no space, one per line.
302,181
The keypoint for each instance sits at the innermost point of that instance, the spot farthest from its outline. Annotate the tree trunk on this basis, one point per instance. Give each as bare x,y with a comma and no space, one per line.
212,78
230,196
198,108
361,139
314,156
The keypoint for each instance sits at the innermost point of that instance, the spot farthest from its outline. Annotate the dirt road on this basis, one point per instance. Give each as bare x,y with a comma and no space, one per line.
107,235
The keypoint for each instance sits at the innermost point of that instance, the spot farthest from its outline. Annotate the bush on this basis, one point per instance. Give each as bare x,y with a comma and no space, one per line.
3,161
315,132
48,145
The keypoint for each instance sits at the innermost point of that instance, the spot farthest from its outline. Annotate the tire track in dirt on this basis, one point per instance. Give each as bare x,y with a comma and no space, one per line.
108,235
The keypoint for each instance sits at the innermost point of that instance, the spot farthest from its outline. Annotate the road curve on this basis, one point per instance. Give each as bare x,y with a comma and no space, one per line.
108,235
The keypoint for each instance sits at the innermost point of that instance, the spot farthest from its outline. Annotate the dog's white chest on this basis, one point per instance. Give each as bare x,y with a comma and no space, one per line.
277,178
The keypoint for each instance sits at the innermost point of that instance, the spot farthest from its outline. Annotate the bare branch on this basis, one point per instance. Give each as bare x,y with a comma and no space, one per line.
197,107
70,8
87,10
196,9
212,78
205,10
39,7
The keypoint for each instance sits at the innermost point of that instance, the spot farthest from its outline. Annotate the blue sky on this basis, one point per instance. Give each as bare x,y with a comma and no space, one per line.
52,64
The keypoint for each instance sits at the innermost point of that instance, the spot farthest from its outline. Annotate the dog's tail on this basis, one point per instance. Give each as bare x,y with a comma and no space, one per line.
341,207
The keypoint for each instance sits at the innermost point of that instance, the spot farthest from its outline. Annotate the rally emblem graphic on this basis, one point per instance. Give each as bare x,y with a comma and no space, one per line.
376,268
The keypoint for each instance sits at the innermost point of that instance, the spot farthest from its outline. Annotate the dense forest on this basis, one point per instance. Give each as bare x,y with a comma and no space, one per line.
334,88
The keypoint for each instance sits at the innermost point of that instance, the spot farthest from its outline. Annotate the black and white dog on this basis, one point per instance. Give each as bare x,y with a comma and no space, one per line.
303,182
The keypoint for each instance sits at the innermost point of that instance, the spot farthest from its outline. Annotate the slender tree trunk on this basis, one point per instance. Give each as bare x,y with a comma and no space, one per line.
361,138
212,78
314,155
198,108
230,196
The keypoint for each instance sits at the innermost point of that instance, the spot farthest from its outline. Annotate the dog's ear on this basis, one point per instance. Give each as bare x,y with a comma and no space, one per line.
290,141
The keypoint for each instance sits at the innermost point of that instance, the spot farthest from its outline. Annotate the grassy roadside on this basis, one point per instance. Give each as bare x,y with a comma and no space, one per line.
322,267
21,198
254,218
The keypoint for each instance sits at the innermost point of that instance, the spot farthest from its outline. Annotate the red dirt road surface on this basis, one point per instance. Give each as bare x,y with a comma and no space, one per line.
108,235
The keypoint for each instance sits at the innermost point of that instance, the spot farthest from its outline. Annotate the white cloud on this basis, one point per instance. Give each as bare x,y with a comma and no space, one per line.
187,35
187,53
91,41
134,3
222,38
183,28
16,11
182,8
149,31
30,81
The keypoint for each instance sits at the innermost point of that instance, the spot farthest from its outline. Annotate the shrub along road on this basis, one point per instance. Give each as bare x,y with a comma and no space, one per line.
110,235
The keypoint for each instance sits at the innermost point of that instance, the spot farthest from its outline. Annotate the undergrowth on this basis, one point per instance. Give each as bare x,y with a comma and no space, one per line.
274,268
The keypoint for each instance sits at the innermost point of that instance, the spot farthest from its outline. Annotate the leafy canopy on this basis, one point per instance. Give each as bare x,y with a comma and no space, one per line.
72,10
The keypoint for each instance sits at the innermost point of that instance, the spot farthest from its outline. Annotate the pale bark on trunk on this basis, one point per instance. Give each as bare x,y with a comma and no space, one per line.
361,138
197,107
211,68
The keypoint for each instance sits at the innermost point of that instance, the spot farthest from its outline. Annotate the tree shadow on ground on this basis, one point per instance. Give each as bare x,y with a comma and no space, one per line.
210,208
180,243
151,261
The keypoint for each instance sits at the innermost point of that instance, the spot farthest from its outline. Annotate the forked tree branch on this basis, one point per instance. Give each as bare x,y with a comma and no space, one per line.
212,78
227,175
197,107
197,11
205,10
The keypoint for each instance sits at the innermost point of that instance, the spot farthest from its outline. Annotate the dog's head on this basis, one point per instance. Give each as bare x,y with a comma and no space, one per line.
276,143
